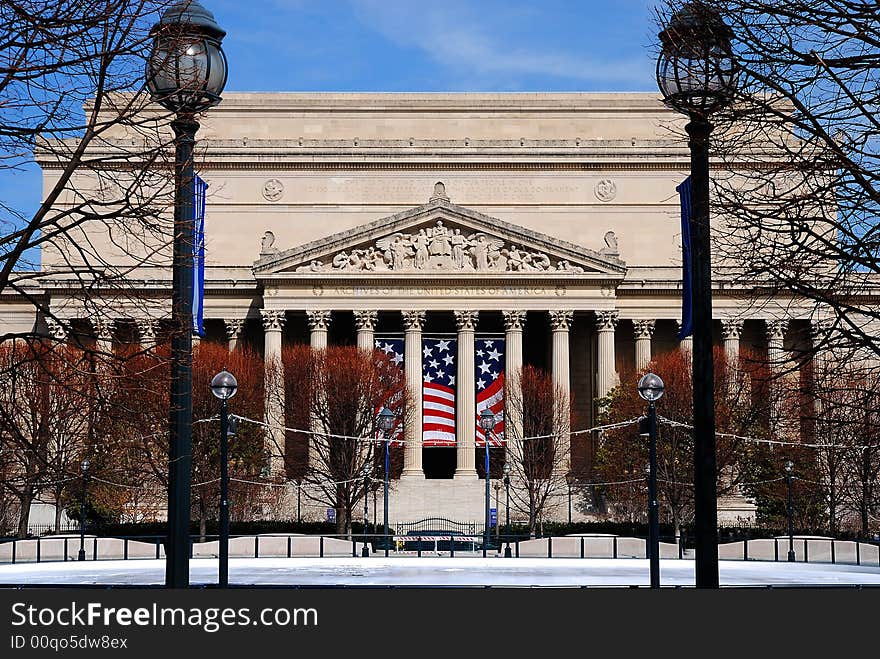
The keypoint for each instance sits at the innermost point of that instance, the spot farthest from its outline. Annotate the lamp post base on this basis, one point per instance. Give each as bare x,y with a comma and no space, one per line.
791,557
365,552
507,552
81,556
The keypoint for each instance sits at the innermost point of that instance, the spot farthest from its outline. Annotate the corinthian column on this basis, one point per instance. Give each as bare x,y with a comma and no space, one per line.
606,375
365,322
273,324
514,322
776,358
413,322
234,327
465,396
319,325
687,343
103,335
644,330
57,330
730,333
147,332
560,323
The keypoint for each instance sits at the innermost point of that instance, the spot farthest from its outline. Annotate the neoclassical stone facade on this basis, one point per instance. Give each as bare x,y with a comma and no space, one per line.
549,220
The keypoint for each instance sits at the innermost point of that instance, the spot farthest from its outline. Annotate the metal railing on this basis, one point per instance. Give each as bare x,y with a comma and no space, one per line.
807,550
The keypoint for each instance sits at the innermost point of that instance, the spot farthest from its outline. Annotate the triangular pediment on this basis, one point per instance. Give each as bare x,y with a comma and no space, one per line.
441,238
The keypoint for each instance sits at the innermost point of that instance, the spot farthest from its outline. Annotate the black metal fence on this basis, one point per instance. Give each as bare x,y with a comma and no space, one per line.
430,542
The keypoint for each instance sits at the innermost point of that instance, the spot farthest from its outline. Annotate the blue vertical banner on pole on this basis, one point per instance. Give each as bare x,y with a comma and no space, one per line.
199,190
687,309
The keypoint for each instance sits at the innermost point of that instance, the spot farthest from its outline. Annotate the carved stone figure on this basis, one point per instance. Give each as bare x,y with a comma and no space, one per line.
440,248
458,242
420,242
440,245
267,242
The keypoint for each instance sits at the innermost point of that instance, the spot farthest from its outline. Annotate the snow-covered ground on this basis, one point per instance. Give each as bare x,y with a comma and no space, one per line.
439,571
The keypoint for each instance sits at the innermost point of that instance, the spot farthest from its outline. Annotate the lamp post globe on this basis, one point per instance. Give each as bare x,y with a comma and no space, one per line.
506,470
487,423
368,471
187,68
789,472
224,385
651,387
696,73
84,469
186,73
386,421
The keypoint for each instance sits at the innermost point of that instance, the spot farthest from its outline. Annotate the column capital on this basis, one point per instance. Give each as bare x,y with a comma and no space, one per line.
366,319
561,319
234,327
606,321
273,320
644,329
103,328
776,329
466,320
319,319
57,329
731,328
413,320
147,329
514,320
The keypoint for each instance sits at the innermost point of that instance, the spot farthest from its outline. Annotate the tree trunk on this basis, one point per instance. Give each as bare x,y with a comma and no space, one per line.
24,501
203,520
58,510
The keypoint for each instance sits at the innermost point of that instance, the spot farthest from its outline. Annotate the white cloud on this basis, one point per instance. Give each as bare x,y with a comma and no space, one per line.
455,35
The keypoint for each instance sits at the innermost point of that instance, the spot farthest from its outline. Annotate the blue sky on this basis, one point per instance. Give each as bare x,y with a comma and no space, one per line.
416,45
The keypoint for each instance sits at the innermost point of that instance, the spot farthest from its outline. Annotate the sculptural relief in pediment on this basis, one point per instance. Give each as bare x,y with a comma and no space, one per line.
440,248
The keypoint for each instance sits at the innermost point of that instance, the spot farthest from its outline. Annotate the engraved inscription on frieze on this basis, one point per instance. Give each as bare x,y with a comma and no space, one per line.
439,248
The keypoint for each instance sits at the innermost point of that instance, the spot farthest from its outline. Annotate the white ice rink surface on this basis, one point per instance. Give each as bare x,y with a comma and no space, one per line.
438,571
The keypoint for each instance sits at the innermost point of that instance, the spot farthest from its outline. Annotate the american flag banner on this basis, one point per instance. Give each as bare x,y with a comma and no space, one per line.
393,348
438,391
489,373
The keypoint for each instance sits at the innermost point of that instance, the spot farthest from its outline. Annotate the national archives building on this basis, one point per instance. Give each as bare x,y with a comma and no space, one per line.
546,222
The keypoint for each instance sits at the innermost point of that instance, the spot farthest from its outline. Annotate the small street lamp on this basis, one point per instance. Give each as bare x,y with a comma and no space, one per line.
789,471
696,75
186,73
506,469
84,469
224,386
651,389
487,422
497,487
386,421
368,470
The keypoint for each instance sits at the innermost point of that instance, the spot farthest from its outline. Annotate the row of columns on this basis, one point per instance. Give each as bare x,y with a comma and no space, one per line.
466,324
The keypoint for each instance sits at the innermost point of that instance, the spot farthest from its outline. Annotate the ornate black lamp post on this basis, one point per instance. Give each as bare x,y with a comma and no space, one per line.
487,422
224,386
695,72
789,472
386,423
84,468
368,470
651,389
186,74
507,552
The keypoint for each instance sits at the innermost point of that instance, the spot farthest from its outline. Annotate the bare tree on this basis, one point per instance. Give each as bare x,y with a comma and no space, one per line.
743,408
797,187
537,446
72,98
338,392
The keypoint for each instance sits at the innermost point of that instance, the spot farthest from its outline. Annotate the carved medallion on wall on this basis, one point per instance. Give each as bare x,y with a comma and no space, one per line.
606,190
273,189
